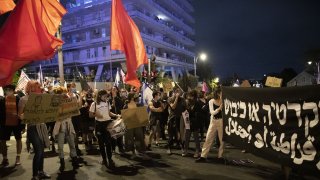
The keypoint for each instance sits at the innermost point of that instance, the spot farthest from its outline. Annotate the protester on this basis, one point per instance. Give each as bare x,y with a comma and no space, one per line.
164,115
203,115
72,92
156,108
10,123
176,107
215,106
117,105
101,111
36,133
64,130
194,109
134,138
87,123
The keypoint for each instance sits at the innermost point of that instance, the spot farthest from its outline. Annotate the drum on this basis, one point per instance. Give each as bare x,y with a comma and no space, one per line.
117,128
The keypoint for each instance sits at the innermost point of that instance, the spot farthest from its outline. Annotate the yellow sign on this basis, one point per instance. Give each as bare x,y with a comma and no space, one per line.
167,86
136,117
273,82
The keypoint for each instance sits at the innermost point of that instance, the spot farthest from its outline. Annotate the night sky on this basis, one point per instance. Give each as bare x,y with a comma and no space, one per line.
256,37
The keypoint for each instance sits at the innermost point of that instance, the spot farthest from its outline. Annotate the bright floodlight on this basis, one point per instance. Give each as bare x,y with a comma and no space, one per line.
203,56
309,62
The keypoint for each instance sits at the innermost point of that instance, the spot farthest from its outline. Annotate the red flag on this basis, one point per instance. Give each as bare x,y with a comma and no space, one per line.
28,35
6,6
125,36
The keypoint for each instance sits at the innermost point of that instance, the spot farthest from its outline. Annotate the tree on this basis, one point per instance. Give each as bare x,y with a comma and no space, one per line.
187,82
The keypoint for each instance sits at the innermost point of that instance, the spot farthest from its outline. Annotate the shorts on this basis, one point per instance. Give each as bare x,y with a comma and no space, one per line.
6,131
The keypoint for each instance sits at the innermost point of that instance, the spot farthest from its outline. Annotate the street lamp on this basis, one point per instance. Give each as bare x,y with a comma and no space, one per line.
318,71
202,57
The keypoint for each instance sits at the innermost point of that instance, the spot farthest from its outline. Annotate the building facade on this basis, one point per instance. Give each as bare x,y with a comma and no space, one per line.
302,79
166,28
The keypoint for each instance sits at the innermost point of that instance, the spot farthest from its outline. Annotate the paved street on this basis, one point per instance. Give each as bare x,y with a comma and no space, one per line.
162,166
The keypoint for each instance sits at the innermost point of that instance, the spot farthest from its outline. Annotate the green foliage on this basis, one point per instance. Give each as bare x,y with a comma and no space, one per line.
187,82
16,78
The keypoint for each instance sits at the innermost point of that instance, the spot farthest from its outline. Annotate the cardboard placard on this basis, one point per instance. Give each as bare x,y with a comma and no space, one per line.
273,82
167,86
136,117
42,108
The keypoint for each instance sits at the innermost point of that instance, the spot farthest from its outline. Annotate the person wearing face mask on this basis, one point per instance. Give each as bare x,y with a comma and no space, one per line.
100,110
123,94
10,123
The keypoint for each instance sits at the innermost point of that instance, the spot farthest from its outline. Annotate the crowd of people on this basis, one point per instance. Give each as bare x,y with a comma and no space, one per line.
173,117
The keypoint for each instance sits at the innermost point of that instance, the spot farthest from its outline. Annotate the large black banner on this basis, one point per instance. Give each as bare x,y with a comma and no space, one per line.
279,124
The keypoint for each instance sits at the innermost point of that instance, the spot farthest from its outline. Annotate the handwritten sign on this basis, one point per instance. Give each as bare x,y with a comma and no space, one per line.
136,117
273,82
69,107
280,124
42,108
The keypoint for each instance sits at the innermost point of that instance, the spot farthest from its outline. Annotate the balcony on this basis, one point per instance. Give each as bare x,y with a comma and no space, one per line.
81,44
156,8
86,23
175,5
174,33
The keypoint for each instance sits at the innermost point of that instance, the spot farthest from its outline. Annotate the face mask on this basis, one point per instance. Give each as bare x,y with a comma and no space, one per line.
124,94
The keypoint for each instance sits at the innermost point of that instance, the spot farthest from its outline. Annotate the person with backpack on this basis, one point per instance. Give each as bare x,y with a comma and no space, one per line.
10,123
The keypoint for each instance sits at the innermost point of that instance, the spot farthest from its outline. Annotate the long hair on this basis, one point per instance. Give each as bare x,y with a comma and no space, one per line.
216,94
100,94
60,90
118,91
32,86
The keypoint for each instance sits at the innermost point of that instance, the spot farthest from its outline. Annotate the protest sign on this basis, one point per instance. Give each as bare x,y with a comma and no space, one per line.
273,82
279,124
136,117
42,108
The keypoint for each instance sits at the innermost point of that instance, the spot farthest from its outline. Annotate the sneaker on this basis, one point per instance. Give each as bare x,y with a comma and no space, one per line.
143,156
43,175
103,162
196,155
18,161
169,152
148,148
5,162
201,159
111,164
184,154
35,178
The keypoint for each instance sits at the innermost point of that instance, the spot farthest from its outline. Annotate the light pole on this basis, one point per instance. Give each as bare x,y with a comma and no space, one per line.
318,70
203,57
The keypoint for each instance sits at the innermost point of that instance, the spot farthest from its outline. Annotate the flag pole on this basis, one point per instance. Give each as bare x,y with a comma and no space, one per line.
60,55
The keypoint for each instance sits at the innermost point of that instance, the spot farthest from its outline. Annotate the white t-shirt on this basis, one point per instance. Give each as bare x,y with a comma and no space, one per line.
103,108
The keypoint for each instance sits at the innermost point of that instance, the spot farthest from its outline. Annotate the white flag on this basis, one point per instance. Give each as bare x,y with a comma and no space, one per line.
1,92
123,75
40,76
23,80
117,79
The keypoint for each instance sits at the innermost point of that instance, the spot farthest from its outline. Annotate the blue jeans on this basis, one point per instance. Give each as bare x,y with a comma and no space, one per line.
38,146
